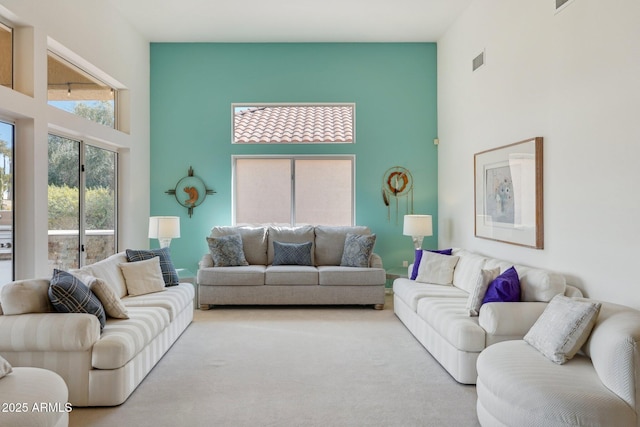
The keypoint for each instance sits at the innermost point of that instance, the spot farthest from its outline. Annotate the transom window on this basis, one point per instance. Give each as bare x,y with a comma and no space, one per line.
293,123
296,190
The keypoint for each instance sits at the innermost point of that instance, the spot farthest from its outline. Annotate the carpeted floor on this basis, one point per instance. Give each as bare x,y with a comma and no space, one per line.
293,366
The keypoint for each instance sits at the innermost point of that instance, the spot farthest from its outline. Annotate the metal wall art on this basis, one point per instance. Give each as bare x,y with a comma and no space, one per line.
190,191
397,183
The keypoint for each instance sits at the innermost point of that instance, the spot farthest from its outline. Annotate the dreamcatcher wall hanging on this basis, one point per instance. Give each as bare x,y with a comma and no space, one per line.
397,182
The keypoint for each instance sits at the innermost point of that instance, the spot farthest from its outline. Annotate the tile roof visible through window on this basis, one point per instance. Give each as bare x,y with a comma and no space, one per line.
294,124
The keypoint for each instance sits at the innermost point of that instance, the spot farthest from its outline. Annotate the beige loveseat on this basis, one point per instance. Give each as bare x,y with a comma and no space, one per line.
324,281
101,368
437,315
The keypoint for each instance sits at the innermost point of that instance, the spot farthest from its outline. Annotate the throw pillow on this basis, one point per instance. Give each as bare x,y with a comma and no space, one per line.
563,327
418,258
5,367
227,251
143,277
69,295
112,304
357,250
169,273
292,253
504,288
436,268
479,290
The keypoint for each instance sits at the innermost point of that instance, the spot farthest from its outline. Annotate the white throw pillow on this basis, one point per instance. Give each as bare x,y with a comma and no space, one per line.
143,277
112,304
479,289
5,367
563,327
436,268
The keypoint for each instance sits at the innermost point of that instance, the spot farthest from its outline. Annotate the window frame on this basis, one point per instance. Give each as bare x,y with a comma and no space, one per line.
293,158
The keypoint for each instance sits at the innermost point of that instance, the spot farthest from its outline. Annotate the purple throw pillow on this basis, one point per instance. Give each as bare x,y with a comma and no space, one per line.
416,262
505,288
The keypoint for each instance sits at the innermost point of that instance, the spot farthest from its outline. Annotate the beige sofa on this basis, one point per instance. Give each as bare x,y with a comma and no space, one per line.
260,282
438,317
600,386
100,368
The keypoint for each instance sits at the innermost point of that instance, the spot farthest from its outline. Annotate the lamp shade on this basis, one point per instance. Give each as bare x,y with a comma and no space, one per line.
163,227
417,225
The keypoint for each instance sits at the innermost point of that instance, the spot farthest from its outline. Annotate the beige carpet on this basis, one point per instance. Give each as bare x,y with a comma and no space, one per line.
293,366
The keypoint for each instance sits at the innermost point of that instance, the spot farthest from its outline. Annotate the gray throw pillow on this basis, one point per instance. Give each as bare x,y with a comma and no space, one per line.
227,251
291,253
357,250
69,295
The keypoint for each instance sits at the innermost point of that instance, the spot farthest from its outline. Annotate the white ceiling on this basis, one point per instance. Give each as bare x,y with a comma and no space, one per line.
291,20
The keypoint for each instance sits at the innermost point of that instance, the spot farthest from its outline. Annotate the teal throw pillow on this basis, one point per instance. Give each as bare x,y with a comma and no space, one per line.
292,253
69,295
357,250
227,251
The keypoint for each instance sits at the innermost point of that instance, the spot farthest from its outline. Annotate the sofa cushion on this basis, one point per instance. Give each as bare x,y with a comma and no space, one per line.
467,269
336,275
69,295
292,253
418,258
329,242
110,301
436,268
449,316
108,270
480,289
357,250
174,299
123,339
540,285
227,251
562,328
250,275
291,275
410,292
289,235
143,277
254,241
5,367
26,296
169,273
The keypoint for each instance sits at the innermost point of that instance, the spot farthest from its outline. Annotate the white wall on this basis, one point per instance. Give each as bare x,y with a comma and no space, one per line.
95,33
572,78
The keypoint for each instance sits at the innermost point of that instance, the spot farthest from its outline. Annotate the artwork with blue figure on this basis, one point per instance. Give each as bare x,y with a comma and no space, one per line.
500,206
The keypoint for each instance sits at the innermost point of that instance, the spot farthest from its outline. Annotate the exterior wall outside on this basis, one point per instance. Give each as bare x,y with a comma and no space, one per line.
571,78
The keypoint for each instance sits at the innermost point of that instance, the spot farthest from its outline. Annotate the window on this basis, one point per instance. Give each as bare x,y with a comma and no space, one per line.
6,53
82,203
293,123
294,189
76,91
6,202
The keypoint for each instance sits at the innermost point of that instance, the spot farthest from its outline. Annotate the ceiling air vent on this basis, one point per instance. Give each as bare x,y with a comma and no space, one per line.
478,61
561,4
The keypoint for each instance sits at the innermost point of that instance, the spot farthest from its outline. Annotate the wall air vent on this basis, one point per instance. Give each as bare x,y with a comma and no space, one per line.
478,61
561,4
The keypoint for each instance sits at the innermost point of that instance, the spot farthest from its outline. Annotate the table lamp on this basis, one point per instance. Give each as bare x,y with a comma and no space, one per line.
417,226
164,228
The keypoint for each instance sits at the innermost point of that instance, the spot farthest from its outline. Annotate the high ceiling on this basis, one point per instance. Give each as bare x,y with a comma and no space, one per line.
291,20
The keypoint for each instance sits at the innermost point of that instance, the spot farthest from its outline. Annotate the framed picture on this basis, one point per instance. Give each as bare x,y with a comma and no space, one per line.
508,194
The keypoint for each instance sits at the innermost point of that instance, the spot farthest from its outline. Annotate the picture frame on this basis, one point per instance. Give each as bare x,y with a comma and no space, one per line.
509,195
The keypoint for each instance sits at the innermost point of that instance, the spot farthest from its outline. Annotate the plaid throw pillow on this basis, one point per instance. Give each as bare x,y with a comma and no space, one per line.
169,273
69,295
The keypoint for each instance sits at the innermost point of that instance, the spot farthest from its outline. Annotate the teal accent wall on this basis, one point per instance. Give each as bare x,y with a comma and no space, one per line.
392,84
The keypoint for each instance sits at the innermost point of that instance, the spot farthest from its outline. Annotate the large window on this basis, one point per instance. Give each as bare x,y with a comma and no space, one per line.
6,202
76,91
82,203
294,189
6,53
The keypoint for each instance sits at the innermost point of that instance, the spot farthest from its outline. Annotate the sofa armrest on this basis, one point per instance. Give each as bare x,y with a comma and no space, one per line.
375,261
511,320
573,292
206,261
48,332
